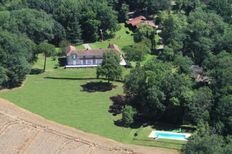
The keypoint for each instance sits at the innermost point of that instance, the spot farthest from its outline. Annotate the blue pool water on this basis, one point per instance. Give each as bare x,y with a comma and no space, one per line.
167,135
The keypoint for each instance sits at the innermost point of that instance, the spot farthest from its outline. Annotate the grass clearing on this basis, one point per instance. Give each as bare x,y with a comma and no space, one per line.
62,100
57,95
80,47
123,37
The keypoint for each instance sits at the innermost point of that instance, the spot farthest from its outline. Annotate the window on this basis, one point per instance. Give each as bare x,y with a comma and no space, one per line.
84,60
89,62
74,57
94,60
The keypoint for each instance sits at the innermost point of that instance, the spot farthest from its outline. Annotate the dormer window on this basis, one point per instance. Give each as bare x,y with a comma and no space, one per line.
74,57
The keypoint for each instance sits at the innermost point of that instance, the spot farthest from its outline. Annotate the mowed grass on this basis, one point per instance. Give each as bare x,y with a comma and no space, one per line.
57,95
80,47
62,100
123,37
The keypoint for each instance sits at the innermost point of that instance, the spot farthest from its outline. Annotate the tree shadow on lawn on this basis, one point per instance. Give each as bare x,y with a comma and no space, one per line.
173,127
62,78
35,71
98,86
135,125
165,126
118,102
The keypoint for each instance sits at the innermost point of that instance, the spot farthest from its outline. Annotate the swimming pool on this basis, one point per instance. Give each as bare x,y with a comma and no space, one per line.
169,135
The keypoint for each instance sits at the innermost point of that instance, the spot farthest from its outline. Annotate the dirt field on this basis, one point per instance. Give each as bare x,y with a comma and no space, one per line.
27,133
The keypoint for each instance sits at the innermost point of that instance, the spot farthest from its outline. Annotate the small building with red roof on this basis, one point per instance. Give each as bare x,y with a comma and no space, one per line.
135,22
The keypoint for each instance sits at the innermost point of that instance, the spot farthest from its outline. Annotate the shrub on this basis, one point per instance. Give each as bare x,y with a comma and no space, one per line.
128,114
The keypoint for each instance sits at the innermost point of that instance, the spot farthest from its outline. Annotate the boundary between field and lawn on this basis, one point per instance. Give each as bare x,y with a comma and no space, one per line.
11,110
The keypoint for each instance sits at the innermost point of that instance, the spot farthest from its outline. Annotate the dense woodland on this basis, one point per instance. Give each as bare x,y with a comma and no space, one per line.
163,89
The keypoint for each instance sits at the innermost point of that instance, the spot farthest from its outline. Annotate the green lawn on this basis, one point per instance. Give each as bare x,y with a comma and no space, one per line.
80,47
57,95
123,37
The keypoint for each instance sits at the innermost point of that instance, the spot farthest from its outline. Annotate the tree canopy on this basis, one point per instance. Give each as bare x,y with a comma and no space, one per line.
110,67
163,89
16,54
48,50
26,24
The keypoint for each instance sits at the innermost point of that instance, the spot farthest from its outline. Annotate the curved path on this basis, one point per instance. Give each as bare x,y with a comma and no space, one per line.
26,133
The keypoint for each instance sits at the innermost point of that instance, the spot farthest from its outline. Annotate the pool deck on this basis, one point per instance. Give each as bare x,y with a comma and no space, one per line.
151,135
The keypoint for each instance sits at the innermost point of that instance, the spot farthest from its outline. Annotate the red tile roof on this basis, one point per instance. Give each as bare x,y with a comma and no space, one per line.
141,19
91,52
114,47
70,49
136,21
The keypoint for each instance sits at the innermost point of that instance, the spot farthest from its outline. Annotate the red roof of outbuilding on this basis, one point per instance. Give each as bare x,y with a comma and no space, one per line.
136,21
141,19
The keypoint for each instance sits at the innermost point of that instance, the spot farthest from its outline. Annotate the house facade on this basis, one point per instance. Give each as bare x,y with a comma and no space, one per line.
88,57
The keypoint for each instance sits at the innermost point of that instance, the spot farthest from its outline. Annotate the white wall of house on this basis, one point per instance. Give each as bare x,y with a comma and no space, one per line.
72,60
90,61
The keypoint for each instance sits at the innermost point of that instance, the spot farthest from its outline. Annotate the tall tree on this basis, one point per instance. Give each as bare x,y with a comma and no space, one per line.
157,91
37,25
227,39
224,115
204,144
220,71
3,76
174,30
187,5
107,17
183,63
222,7
110,67
68,15
136,52
149,6
74,32
143,32
204,35
200,107
16,56
48,50
128,113
90,26
123,13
